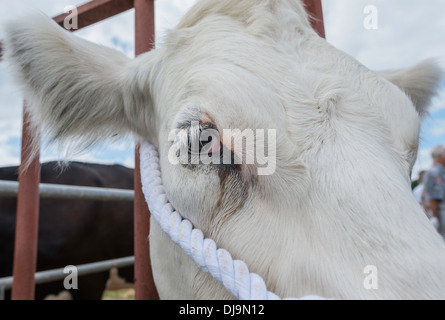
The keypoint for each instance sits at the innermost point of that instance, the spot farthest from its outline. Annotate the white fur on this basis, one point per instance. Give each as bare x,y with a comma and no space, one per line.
340,198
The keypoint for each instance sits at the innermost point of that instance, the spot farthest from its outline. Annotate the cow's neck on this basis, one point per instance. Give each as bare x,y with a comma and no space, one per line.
346,223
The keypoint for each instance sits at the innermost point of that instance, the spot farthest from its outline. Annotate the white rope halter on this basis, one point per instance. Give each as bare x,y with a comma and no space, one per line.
233,274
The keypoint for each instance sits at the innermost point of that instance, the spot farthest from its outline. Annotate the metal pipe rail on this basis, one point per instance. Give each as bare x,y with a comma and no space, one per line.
58,274
60,191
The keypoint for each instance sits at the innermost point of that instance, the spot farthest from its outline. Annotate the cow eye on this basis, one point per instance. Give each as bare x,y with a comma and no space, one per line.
203,140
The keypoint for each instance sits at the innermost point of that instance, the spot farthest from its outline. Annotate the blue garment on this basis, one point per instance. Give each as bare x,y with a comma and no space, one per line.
435,183
434,188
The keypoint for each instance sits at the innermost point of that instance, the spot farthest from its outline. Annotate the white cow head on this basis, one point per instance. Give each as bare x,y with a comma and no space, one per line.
330,193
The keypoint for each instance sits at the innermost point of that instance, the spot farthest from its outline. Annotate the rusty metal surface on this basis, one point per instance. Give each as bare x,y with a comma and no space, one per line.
26,233
97,10
145,288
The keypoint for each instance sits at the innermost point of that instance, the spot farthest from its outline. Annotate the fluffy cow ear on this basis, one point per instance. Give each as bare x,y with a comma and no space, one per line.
75,89
419,82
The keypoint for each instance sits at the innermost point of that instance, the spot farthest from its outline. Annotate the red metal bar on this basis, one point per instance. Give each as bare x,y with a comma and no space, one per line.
27,220
315,10
145,288
97,10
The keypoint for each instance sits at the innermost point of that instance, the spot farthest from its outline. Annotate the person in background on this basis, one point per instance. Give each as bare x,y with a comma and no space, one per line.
433,194
418,190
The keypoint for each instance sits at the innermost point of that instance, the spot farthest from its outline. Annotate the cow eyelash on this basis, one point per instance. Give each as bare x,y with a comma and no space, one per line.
196,144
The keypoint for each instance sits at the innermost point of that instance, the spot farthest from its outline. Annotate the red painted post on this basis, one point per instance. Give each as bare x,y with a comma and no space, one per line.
27,220
96,11
315,10
144,284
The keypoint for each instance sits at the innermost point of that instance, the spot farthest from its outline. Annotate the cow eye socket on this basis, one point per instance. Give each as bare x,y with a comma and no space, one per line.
204,140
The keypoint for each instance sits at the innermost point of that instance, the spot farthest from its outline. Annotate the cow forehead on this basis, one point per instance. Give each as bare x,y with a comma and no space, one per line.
244,80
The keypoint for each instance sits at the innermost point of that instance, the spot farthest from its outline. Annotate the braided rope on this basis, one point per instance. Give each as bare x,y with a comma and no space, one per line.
233,274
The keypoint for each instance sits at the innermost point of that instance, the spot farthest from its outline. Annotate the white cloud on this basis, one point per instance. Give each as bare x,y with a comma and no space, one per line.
168,12
120,151
8,155
438,102
11,106
408,31
437,129
116,32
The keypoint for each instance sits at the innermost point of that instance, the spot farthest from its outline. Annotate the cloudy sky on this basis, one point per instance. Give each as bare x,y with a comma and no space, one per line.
407,31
